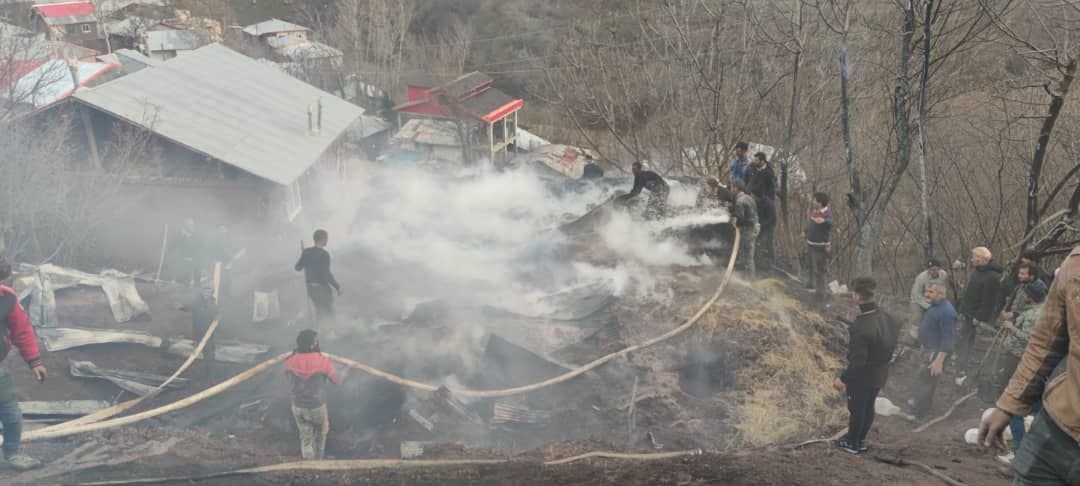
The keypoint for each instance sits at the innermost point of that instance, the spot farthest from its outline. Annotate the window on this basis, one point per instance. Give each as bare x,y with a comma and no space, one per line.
293,202
86,28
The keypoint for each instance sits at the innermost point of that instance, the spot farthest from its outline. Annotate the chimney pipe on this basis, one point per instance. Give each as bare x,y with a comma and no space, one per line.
318,118
73,68
309,130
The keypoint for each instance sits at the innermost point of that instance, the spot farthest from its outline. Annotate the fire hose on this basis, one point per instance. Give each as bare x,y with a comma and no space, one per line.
367,464
128,405
98,422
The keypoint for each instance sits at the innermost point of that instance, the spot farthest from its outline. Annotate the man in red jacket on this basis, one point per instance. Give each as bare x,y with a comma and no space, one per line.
308,371
19,333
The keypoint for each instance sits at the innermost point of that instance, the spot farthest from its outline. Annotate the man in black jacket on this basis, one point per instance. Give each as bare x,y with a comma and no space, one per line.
872,341
763,187
658,191
979,305
315,262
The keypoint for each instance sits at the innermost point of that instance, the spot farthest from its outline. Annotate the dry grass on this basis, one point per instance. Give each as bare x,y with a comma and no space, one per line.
787,393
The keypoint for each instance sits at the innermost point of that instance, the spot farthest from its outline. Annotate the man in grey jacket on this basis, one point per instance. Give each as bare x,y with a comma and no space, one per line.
746,220
933,274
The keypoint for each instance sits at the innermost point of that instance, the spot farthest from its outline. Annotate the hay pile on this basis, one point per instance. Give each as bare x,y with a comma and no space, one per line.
788,357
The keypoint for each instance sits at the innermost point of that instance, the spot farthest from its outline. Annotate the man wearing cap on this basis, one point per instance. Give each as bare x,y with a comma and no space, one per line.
1018,328
656,207
933,274
308,371
17,332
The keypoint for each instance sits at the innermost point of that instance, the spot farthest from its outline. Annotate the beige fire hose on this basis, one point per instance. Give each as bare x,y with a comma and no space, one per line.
367,464
128,405
570,374
64,430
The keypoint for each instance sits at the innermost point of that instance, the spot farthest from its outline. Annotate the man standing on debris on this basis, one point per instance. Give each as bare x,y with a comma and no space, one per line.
1050,452
819,243
315,262
1018,326
937,337
919,303
656,207
204,311
746,220
740,167
19,332
762,186
308,371
872,341
979,305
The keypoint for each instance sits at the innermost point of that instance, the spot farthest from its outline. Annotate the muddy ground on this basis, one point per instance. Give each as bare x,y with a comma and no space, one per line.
762,366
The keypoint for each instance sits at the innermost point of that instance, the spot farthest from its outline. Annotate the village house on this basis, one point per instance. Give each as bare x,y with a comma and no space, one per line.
291,46
74,22
278,33
233,138
482,118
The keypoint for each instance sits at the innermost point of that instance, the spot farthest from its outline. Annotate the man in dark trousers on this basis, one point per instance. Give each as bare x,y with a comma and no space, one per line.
979,306
746,220
937,336
819,243
204,311
656,207
872,341
18,332
762,186
315,262
308,371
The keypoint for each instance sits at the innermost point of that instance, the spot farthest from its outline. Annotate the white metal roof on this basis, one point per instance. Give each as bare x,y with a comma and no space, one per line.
273,26
228,106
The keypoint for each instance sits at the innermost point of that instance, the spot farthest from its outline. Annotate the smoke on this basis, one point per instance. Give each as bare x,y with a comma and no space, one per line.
491,237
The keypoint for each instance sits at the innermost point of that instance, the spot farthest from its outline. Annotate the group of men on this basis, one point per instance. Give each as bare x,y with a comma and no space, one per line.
1037,320
752,197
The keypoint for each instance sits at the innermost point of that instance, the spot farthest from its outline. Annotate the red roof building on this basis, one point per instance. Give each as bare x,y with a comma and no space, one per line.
66,9
74,22
471,99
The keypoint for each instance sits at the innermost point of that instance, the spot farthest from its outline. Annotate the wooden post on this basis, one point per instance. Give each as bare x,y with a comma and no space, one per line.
515,133
506,139
88,125
217,281
164,247
491,142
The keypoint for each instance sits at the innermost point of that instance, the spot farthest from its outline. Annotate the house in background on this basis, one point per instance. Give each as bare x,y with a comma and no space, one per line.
74,22
278,33
486,115
162,44
242,138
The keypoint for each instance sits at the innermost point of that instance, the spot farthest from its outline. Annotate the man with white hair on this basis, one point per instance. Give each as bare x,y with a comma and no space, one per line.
937,336
979,305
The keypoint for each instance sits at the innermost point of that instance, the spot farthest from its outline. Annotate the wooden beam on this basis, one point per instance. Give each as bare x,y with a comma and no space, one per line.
89,126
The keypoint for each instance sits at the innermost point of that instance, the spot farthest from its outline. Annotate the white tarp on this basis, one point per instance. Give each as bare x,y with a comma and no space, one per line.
41,283
60,338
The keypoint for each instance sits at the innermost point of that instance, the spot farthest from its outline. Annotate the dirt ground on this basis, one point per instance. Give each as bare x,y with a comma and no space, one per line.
736,414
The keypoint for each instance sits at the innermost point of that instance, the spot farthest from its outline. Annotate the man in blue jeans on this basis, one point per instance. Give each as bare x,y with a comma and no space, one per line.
1050,452
19,333
1018,325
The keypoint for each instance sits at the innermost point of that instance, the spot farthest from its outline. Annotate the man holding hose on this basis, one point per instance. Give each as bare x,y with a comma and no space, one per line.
19,333
308,371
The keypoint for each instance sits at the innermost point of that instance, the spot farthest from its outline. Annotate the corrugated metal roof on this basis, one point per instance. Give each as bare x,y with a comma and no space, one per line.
173,40
230,107
65,9
52,82
273,26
